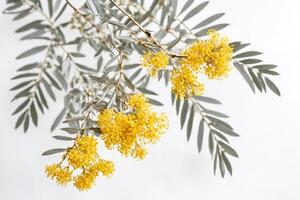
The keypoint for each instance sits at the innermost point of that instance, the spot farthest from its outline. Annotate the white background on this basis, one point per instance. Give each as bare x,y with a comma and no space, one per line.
268,168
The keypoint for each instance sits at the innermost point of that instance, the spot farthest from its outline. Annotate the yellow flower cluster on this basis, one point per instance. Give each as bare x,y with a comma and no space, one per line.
211,57
86,179
61,175
185,83
83,155
154,62
130,132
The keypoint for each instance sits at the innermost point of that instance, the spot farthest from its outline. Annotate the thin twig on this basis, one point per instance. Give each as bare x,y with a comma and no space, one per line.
147,33
90,21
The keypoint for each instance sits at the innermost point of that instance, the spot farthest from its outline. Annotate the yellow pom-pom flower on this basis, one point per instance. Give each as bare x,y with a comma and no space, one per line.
194,56
140,152
130,132
185,83
87,144
154,62
138,102
211,56
83,153
85,181
82,158
87,178
106,167
219,56
61,175
77,158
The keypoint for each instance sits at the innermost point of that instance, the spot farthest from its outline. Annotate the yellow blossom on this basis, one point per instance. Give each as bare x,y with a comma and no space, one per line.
106,167
138,102
87,144
154,62
83,158
87,178
112,125
61,175
85,181
139,127
194,56
220,56
140,152
185,83
211,56
77,158
83,153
